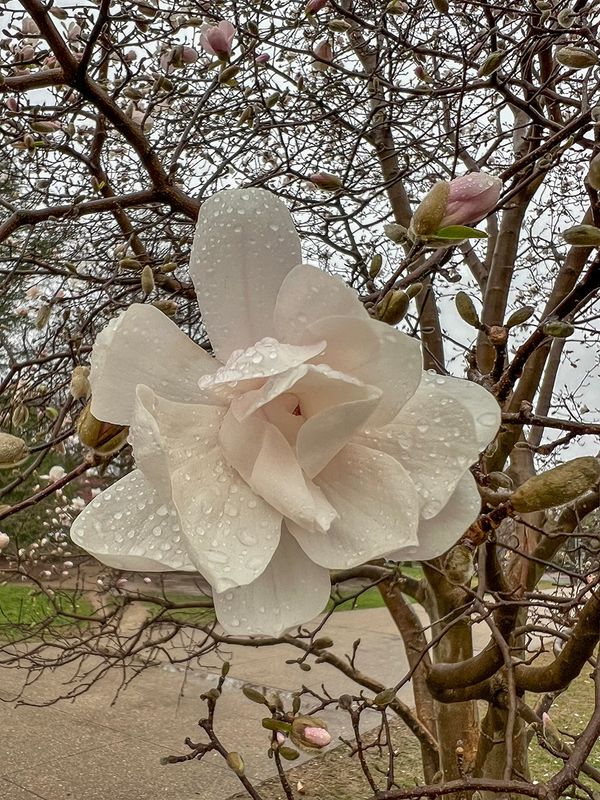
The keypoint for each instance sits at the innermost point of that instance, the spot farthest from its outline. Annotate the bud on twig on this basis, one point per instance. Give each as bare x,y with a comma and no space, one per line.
576,57
559,329
147,280
466,309
80,385
103,438
557,486
582,236
236,763
13,450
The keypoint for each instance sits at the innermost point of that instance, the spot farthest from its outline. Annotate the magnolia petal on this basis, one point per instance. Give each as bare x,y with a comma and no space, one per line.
229,532
261,454
440,533
128,526
377,506
160,449
247,369
481,404
333,405
143,345
376,354
291,591
244,246
307,295
434,438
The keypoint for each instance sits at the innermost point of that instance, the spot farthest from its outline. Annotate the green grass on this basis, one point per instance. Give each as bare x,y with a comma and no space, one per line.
25,611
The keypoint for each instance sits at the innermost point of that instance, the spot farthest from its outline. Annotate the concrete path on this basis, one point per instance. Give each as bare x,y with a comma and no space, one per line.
92,749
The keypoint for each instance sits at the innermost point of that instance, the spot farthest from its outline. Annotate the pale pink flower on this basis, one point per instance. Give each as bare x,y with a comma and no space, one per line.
217,39
313,440
315,5
471,198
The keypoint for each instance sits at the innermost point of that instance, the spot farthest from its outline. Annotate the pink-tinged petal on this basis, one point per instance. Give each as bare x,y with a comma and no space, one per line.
246,369
471,198
375,354
307,295
149,442
481,405
291,591
245,244
264,458
438,534
129,526
143,345
434,436
333,407
378,509
230,533
205,39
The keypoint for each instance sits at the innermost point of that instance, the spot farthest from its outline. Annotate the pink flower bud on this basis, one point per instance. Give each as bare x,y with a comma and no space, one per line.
11,104
189,55
315,5
471,198
326,181
323,52
310,733
4,541
29,28
280,737
318,737
216,39
263,58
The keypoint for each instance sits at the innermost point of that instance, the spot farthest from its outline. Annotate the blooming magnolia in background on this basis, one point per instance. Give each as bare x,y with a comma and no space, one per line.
4,541
217,39
313,440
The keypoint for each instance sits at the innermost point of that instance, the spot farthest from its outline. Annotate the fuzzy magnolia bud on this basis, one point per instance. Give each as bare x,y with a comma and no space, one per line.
315,5
375,265
168,307
551,733
396,233
13,451
466,309
430,211
559,329
236,763
582,236
20,416
557,486
310,733
103,438
519,316
326,181
147,280
492,63
394,306
80,384
576,57
593,176
459,564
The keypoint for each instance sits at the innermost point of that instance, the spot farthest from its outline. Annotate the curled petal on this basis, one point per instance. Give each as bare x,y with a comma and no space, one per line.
230,533
129,526
245,244
261,454
440,533
435,436
142,345
291,590
377,506
307,295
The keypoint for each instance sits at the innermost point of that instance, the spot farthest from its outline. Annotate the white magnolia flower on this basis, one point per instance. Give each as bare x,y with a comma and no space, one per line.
312,441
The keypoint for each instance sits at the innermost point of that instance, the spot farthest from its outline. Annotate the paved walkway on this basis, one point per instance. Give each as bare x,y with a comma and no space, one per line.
91,750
